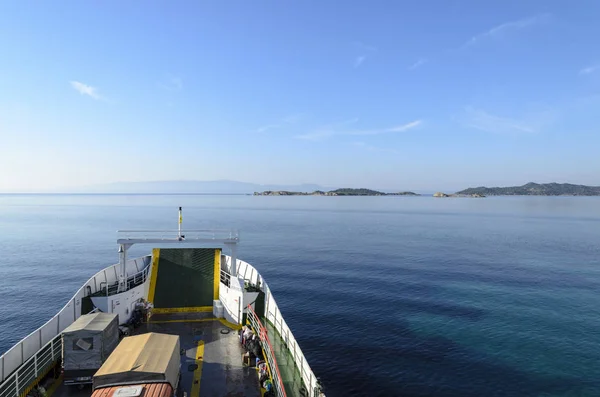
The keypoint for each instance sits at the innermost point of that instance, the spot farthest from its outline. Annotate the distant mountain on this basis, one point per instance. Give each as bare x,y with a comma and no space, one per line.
536,189
190,187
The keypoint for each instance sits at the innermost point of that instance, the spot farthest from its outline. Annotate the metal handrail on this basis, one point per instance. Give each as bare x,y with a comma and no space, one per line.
311,382
16,357
223,233
274,316
132,281
24,378
225,278
171,230
268,349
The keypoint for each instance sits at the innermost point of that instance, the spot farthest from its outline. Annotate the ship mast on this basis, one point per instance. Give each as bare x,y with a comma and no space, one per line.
229,238
179,226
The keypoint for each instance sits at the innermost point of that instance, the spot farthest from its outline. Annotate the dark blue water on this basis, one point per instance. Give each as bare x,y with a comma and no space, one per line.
386,295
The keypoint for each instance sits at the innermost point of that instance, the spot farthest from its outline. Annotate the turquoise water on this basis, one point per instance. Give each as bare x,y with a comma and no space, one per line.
386,295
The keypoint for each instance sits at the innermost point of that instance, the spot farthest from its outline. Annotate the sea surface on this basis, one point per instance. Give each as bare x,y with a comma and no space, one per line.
387,296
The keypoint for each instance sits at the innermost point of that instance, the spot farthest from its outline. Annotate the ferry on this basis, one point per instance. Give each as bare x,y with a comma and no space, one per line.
192,286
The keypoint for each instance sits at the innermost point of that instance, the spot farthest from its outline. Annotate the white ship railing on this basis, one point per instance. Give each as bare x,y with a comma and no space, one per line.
269,354
274,316
132,282
27,348
191,235
25,377
20,354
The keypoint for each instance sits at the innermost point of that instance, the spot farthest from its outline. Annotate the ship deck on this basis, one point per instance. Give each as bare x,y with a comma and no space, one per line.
212,362
290,376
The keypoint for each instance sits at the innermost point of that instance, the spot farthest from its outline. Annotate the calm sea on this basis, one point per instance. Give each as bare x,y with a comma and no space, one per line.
389,296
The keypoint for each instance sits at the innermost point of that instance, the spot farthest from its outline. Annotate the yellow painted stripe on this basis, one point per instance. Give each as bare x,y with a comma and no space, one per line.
217,275
195,392
154,274
226,323
262,389
194,320
196,309
36,381
268,366
54,386
230,325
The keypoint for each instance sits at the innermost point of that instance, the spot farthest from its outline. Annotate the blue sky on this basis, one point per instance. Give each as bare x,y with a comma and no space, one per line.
421,95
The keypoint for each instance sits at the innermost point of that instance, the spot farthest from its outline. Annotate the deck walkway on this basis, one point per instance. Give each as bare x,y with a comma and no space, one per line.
211,364
290,375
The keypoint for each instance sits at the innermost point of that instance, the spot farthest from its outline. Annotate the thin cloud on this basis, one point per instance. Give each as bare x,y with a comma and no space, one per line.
267,127
398,128
365,47
502,30
177,83
363,50
372,148
85,89
338,129
590,69
292,119
172,83
359,60
326,130
484,121
420,62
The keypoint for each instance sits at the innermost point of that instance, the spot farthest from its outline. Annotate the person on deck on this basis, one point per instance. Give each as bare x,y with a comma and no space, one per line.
247,335
253,350
242,334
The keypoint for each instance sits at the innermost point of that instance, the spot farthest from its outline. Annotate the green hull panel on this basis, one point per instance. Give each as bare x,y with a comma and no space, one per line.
185,278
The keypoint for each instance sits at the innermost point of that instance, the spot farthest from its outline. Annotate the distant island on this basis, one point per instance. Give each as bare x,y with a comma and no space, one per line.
337,192
311,189
472,195
534,189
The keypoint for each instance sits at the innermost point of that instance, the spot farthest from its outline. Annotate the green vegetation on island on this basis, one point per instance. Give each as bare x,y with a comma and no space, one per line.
402,194
356,192
535,189
473,195
337,192
529,189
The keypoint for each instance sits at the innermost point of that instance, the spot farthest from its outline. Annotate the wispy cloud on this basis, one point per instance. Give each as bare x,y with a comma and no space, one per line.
267,127
172,83
85,89
364,47
359,60
499,31
327,130
291,119
484,121
363,50
339,129
420,62
590,69
372,148
398,128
